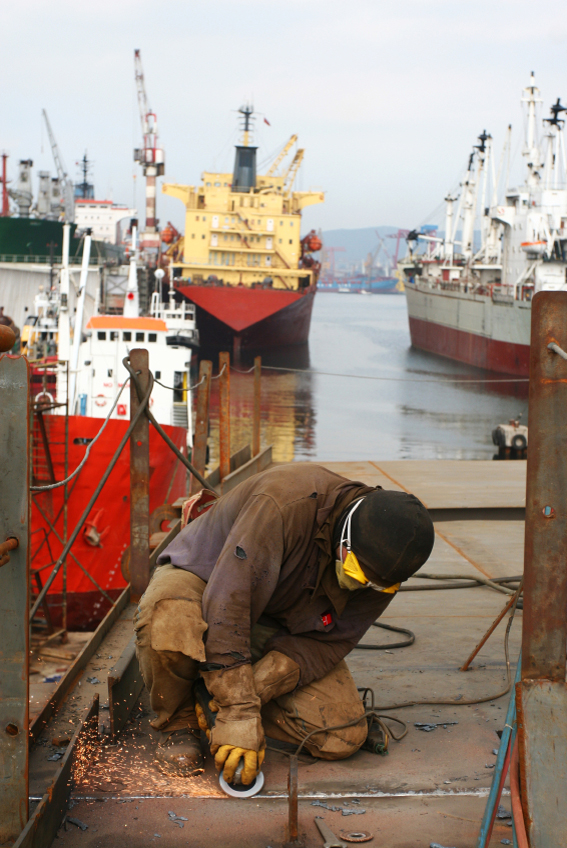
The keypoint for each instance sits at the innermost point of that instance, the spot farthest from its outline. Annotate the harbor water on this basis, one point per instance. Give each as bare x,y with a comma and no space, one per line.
415,406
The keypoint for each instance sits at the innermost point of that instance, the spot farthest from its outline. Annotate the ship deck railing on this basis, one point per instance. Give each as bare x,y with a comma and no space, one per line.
35,259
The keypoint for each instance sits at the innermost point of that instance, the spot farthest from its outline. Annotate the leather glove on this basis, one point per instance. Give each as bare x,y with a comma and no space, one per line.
274,675
238,723
228,756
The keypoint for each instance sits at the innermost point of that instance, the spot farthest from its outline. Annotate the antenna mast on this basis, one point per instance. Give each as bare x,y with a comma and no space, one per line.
64,181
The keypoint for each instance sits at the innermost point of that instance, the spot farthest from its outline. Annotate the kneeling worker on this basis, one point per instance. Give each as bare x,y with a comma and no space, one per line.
264,595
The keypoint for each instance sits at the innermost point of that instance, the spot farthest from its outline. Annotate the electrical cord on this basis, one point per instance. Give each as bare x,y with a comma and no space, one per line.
375,713
386,647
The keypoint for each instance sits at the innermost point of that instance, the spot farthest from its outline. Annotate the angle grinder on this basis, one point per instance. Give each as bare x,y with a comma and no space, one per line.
235,788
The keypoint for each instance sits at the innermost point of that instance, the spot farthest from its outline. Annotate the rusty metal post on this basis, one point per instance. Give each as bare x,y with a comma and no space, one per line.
139,482
257,406
293,840
14,594
199,454
224,414
542,693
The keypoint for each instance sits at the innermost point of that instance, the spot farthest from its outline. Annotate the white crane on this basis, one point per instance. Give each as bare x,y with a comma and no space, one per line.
64,181
150,156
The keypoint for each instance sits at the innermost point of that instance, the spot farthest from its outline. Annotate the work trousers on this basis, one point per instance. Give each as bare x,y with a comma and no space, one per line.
169,642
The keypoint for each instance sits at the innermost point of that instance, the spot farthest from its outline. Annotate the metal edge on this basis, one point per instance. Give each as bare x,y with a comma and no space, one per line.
43,825
258,463
69,679
125,683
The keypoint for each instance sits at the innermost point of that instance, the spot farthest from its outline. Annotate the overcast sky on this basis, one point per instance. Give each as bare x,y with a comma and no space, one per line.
387,98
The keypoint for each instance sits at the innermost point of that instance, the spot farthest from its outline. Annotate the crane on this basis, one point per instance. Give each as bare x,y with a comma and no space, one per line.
283,153
150,156
329,263
291,172
398,236
64,181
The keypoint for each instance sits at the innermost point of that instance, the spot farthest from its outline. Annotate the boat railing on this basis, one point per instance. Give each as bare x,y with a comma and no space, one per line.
42,259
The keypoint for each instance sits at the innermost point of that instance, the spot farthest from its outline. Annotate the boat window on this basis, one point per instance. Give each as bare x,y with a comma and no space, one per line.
291,241
158,375
101,336
140,337
127,336
109,372
152,337
114,336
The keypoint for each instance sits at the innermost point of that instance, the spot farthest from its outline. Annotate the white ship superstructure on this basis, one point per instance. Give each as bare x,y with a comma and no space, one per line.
472,302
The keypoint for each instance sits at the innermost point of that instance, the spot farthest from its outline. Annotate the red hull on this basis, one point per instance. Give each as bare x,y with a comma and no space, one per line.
490,354
111,513
256,317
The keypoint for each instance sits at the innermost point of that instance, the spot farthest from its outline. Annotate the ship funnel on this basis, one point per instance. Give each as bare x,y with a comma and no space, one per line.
244,176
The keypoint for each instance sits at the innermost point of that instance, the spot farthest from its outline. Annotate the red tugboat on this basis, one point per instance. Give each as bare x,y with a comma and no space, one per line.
242,260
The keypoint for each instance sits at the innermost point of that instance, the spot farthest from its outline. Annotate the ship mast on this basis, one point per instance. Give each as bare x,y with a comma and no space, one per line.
449,244
531,150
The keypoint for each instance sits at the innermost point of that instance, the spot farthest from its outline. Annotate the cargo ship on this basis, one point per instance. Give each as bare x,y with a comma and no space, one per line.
242,260
471,301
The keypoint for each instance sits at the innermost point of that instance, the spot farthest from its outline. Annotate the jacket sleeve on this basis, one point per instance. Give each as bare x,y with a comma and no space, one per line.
318,652
242,582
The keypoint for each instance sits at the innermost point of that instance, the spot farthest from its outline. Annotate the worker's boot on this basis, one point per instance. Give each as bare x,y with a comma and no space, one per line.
179,753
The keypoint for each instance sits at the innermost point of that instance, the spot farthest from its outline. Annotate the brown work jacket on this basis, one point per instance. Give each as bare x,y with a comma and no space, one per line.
265,551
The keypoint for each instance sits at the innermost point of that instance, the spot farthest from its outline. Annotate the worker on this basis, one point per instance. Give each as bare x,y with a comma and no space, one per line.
264,595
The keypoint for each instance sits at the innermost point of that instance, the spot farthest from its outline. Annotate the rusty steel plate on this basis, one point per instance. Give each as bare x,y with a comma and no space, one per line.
542,729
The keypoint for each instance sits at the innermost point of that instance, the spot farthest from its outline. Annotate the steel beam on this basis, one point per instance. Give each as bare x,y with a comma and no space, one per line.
139,481
46,820
73,673
199,454
14,595
542,693
544,635
256,420
124,686
224,414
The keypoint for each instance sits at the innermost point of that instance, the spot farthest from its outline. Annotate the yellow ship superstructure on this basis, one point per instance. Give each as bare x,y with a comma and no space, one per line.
243,231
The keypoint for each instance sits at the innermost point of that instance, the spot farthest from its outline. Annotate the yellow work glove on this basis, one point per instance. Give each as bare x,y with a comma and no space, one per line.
202,719
229,757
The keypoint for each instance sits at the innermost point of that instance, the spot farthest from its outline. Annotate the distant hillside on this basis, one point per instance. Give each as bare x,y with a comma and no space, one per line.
359,243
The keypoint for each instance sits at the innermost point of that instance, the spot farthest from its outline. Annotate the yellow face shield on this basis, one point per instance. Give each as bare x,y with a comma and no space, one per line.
351,566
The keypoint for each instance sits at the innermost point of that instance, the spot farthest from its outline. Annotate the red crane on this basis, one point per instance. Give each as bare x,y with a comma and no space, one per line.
330,257
401,234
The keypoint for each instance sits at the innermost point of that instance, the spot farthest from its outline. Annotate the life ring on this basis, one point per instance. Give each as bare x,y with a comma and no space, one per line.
99,401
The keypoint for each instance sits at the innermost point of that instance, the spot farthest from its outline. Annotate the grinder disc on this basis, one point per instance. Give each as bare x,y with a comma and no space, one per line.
240,791
357,836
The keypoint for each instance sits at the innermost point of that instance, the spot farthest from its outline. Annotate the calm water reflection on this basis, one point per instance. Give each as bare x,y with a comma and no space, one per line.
317,417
